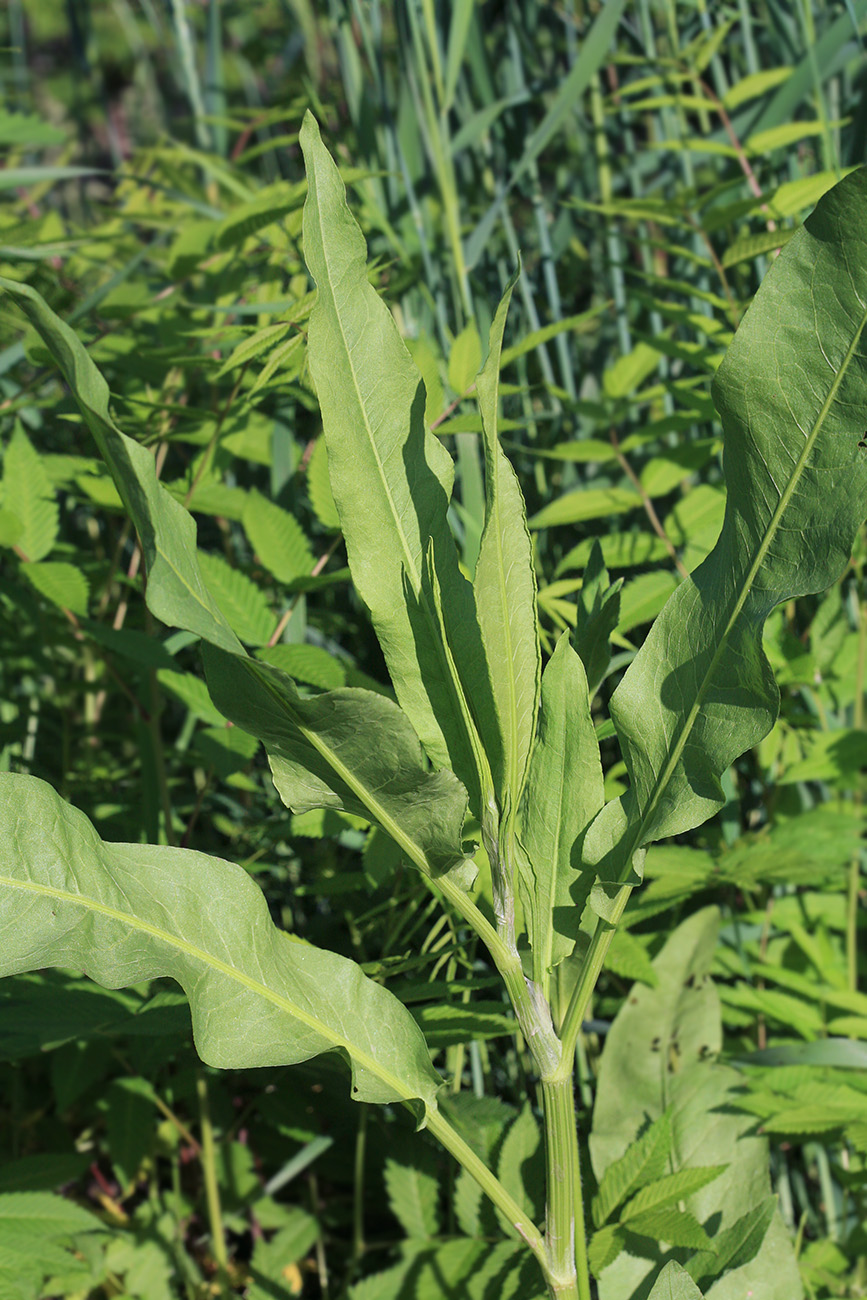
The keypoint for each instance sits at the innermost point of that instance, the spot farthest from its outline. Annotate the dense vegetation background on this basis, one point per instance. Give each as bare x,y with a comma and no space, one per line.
646,160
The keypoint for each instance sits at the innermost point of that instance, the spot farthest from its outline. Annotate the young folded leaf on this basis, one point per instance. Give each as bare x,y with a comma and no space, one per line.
792,395
349,749
130,912
505,585
564,793
391,480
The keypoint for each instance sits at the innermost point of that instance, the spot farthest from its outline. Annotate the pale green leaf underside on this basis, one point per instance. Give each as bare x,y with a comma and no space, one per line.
792,394
564,793
349,749
128,912
390,477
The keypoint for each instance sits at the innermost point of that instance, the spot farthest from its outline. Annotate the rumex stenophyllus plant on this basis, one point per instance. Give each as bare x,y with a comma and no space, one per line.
477,727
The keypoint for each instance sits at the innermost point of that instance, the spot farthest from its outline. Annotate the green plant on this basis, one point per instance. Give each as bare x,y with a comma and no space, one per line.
485,764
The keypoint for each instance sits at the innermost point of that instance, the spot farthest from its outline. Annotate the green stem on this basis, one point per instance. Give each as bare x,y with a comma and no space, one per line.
491,1186
591,967
855,864
568,1276
212,1190
531,1010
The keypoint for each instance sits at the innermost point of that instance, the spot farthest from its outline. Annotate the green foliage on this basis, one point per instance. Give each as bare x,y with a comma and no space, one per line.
649,166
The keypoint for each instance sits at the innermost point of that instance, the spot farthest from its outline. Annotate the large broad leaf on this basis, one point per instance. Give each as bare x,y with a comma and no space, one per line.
659,1059
391,481
349,749
792,395
177,594
564,793
505,585
131,912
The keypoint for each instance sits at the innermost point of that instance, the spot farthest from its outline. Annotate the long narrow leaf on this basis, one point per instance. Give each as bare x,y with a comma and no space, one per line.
792,394
390,477
350,749
505,585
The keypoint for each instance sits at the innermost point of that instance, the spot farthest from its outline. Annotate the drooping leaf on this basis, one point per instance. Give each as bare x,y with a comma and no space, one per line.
277,538
176,592
63,584
125,913
792,394
564,793
390,477
243,603
349,749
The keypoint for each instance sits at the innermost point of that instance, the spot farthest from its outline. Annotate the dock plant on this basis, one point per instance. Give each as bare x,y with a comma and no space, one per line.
484,768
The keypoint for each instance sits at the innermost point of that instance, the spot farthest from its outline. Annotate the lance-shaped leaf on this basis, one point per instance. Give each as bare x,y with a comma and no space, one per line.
177,595
505,584
390,477
131,912
564,793
792,395
349,749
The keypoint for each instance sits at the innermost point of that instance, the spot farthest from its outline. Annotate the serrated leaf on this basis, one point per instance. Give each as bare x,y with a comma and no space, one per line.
520,1166
319,487
672,1226
307,663
465,358
564,793
737,1245
62,584
391,481
413,1195
669,1190
28,493
642,1162
132,912
455,1022
43,1211
604,1247
11,528
277,538
249,218
244,604
252,347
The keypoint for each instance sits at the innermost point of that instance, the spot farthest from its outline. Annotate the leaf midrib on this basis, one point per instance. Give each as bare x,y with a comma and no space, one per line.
200,954
361,791
411,566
